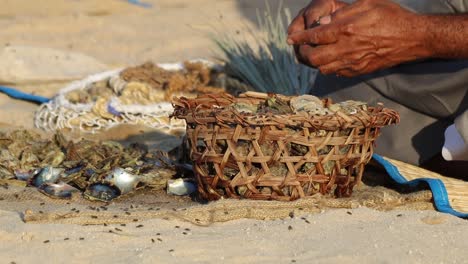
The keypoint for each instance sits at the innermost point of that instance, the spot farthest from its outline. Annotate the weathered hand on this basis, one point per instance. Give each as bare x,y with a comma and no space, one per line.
309,15
362,37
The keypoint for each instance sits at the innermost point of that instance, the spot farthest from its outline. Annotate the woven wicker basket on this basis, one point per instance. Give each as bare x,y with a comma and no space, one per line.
277,157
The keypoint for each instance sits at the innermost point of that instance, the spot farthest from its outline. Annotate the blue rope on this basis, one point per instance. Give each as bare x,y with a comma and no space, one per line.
138,3
439,192
23,96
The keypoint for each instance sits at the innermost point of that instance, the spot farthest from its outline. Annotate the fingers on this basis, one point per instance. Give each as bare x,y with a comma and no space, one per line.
298,23
347,11
322,35
332,60
319,10
347,68
311,16
317,56
303,53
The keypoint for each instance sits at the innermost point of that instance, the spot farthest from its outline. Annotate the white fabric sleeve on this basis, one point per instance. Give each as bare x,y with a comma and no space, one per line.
455,147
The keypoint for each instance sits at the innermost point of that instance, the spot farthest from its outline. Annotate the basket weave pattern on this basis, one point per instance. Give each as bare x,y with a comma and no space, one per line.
277,157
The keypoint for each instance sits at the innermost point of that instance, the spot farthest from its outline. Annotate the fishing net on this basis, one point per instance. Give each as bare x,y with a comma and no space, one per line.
145,205
135,95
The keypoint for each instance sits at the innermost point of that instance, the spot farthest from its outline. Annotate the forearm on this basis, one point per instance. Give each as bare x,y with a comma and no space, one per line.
446,36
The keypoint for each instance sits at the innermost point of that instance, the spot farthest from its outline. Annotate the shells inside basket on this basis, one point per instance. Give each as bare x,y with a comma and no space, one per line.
270,152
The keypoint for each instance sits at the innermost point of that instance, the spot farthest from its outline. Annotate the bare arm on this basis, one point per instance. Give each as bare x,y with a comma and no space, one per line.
447,36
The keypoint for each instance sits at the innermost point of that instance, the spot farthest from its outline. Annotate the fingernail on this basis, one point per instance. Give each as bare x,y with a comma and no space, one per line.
325,20
290,41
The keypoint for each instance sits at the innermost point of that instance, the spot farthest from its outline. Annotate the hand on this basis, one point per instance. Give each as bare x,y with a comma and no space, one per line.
309,15
362,37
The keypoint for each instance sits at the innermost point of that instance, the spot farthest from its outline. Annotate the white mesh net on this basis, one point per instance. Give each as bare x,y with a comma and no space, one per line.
138,104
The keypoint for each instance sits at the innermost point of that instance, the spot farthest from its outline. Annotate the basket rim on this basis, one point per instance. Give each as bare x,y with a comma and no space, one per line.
212,109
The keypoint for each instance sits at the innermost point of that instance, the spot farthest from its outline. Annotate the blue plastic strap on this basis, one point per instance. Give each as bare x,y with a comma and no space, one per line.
438,189
23,96
138,3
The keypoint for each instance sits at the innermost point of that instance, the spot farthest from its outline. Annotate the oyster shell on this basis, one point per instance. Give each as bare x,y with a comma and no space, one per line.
275,105
93,167
59,190
28,160
122,180
117,84
348,107
54,158
5,174
101,192
181,187
245,108
7,158
26,175
308,103
47,174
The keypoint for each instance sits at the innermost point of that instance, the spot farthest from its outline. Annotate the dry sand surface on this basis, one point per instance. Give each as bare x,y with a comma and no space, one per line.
366,236
117,33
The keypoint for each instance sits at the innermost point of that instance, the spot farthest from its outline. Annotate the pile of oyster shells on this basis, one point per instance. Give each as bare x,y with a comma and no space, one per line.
304,103
148,84
101,171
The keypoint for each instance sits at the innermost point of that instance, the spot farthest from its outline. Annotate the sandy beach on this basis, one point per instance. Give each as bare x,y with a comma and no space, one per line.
118,34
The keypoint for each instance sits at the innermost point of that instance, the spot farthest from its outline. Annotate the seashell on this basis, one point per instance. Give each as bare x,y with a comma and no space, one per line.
268,148
307,167
320,133
230,172
60,190
5,173
266,190
275,105
345,149
241,190
47,174
54,158
7,159
77,97
117,84
101,192
28,159
349,107
243,147
124,181
329,166
157,178
334,108
26,175
299,150
325,150
245,108
181,187
279,170
141,93
308,103
77,171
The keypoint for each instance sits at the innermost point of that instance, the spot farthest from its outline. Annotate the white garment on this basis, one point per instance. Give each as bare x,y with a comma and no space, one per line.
455,148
